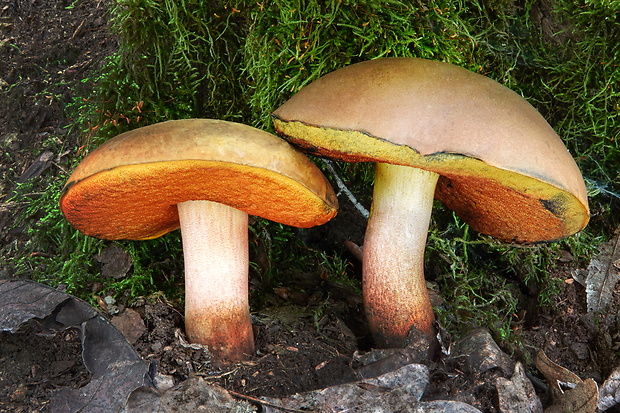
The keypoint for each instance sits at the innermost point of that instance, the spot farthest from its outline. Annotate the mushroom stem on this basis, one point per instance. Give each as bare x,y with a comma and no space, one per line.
215,249
395,294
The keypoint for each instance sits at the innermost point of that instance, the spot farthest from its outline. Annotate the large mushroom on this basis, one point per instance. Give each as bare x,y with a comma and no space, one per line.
435,130
204,176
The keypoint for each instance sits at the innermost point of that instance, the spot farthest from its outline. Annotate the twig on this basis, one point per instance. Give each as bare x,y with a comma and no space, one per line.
219,376
6,206
600,187
355,250
343,188
263,402
33,171
77,31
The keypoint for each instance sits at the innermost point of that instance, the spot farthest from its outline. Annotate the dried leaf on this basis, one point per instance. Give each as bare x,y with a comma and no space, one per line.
483,353
191,395
582,397
603,273
404,387
116,261
21,302
555,375
116,368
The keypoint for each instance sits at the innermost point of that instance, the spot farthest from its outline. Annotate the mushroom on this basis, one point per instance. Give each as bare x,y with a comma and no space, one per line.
204,176
435,130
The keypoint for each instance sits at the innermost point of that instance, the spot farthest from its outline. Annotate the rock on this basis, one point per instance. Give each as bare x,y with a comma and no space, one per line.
609,393
483,353
130,324
517,395
397,391
191,395
163,382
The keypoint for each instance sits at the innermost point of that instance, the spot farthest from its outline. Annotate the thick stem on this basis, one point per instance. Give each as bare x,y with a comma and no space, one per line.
215,248
395,295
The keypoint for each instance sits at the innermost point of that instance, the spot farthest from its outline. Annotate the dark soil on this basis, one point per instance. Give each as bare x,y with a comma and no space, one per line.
293,355
35,365
308,341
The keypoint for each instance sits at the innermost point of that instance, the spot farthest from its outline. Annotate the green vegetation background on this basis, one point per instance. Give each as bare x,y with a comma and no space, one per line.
240,60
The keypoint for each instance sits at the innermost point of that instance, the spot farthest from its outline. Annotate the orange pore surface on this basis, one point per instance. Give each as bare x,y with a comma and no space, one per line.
510,205
139,201
509,215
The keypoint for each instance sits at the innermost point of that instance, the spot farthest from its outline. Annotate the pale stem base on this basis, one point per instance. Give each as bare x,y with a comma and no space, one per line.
215,248
395,294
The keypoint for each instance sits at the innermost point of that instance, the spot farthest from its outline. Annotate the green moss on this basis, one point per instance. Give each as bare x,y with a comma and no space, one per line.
55,253
176,59
291,43
571,76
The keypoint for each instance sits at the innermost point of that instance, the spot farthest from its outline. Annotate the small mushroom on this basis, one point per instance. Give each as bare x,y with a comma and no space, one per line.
435,130
204,176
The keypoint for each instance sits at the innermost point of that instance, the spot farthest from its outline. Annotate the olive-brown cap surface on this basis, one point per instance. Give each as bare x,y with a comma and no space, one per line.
503,168
128,188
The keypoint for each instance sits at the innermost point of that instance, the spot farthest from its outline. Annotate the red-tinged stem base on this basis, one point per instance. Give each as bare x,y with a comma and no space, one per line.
215,248
396,298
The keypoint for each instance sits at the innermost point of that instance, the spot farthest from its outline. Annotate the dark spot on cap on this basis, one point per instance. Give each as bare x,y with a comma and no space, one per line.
555,205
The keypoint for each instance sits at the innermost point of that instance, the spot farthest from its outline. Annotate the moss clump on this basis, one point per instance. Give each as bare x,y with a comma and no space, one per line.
176,59
575,80
291,43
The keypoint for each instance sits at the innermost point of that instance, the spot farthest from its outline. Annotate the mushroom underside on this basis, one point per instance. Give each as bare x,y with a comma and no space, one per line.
508,205
113,204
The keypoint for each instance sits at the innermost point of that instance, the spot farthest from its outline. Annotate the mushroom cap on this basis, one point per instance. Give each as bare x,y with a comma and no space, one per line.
503,169
128,188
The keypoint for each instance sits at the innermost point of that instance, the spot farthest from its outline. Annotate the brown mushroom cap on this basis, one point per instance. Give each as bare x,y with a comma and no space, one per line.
503,168
128,188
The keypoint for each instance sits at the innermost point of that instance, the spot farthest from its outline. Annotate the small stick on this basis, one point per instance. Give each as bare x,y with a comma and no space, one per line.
259,401
355,250
343,188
